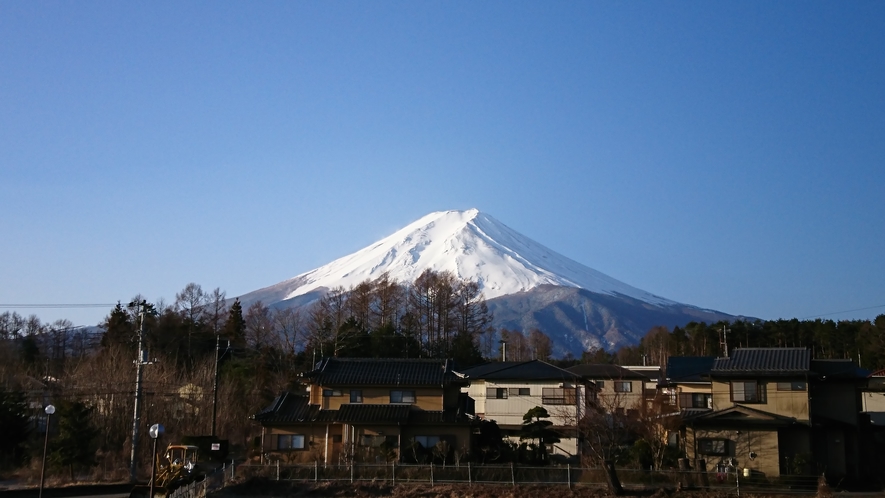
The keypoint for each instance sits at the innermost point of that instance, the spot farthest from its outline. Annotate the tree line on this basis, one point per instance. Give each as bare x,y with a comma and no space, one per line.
259,351
860,340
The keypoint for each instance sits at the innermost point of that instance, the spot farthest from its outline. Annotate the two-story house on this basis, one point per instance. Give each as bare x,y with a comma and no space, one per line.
617,388
778,412
505,391
370,410
686,384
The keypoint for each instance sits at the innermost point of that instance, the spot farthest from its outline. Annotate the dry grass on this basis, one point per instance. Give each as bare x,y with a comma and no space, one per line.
263,488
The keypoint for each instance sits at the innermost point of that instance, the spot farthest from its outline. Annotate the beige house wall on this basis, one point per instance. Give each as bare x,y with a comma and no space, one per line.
793,404
425,399
509,411
764,443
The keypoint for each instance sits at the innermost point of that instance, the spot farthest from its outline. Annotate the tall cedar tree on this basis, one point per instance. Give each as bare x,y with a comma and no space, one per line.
235,327
118,328
74,444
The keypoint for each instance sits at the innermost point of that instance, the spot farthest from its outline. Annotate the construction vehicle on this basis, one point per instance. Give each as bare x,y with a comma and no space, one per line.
177,466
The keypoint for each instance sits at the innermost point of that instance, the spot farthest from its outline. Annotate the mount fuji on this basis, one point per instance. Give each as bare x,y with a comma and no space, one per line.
525,284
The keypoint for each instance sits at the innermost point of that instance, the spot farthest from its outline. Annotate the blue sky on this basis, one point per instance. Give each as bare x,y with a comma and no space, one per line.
727,154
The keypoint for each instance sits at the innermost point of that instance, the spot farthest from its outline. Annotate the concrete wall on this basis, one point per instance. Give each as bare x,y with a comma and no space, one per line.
764,443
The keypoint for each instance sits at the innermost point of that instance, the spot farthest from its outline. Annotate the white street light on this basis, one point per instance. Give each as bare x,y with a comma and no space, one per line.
155,432
49,411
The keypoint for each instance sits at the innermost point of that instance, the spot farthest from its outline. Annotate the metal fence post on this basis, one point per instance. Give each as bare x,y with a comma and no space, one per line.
431,474
316,471
352,465
278,470
568,470
469,475
512,474
393,472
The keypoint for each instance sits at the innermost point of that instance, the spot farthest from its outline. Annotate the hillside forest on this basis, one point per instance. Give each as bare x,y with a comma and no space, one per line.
203,339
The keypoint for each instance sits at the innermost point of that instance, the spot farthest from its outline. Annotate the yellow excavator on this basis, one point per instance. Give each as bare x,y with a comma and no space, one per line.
177,466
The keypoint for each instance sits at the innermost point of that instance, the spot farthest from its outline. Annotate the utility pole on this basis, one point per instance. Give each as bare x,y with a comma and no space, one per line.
141,308
215,387
723,340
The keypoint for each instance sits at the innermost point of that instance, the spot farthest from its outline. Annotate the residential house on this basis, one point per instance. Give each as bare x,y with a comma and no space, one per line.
686,384
504,391
617,388
370,410
778,412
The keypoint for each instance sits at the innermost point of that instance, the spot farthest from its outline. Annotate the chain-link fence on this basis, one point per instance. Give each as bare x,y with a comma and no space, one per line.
566,475
211,482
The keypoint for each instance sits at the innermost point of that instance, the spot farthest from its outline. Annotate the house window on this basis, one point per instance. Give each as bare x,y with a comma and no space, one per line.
711,446
427,441
402,396
748,391
791,386
520,391
496,393
600,384
356,396
558,396
290,442
336,438
695,400
328,393
623,386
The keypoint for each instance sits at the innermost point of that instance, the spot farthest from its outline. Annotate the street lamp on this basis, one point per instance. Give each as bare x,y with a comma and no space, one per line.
156,431
49,411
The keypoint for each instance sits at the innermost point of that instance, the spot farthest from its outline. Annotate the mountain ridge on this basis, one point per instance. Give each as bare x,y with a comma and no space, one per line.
511,270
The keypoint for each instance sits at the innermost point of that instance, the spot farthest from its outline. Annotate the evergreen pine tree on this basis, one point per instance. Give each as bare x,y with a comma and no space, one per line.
74,444
235,327
118,328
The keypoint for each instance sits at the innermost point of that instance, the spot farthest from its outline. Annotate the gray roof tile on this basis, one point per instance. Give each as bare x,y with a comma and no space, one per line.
764,361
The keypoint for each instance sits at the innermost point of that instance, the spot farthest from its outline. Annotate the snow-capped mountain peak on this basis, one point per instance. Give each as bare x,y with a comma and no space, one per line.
470,244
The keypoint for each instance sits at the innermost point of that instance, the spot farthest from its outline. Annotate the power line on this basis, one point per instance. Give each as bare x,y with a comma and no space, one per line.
57,306
846,311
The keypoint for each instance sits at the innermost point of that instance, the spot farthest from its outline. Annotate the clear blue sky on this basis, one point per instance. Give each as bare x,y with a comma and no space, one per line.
729,155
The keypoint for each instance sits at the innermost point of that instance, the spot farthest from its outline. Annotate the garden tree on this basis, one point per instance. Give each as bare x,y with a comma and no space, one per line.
536,427
74,444
653,425
488,442
234,328
606,431
540,345
16,427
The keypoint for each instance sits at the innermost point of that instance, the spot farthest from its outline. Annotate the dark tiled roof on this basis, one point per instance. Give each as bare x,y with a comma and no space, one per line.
358,413
289,407
689,368
604,371
764,361
740,416
519,370
384,372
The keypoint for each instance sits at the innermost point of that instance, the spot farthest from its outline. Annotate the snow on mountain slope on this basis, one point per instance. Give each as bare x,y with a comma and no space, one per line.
470,244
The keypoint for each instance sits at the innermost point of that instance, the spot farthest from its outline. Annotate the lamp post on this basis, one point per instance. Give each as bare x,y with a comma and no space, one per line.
49,411
155,432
